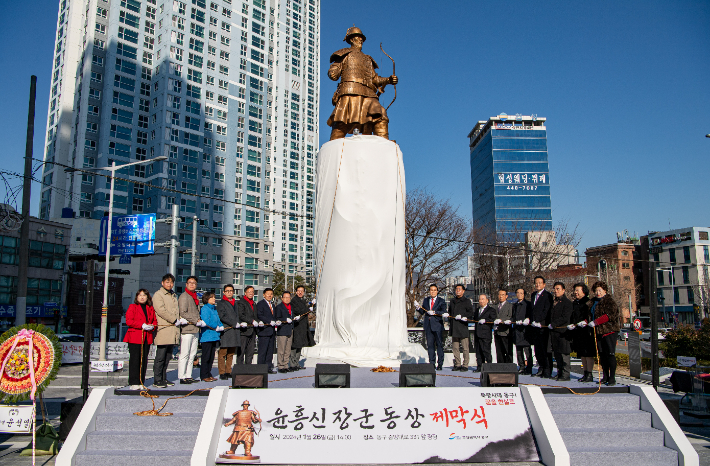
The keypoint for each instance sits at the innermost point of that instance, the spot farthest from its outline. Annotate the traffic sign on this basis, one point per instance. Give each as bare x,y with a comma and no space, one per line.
124,259
130,234
637,324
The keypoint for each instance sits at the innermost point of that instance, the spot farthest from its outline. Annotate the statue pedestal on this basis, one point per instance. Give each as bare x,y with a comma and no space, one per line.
360,266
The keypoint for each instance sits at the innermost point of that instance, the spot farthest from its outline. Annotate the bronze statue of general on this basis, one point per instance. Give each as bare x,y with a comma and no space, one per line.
356,100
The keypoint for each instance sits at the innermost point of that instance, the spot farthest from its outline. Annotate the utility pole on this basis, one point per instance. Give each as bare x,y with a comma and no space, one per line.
88,328
174,239
104,306
21,305
194,246
654,326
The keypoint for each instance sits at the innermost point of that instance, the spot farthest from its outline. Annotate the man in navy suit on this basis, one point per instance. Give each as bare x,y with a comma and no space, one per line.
541,310
435,308
284,331
266,333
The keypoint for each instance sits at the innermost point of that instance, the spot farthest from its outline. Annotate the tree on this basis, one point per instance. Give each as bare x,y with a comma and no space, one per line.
438,241
280,286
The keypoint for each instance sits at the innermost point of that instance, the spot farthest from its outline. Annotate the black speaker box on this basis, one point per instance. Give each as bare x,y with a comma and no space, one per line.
417,375
70,411
499,375
332,376
250,376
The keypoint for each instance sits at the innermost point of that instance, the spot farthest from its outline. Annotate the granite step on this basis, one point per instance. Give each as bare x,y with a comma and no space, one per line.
132,404
580,438
178,422
598,402
138,441
135,458
608,455
616,419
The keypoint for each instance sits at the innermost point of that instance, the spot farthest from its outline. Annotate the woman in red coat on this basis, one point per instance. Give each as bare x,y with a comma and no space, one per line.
142,324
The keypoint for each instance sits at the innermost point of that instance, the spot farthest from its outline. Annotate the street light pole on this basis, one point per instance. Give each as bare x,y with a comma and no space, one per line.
104,307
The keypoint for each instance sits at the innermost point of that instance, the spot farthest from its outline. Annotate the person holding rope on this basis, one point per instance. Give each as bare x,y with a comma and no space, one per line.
246,309
605,313
582,335
284,331
302,337
210,330
484,317
435,311
267,335
503,328
141,322
461,308
167,336
189,307
229,341
542,305
561,327
522,313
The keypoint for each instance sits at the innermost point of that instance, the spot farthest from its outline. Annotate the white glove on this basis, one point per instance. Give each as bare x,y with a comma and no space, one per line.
201,323
570,327
464,319
416,304
507,322
261,324
518,322
314,300
219,329
582,324
458,317
431,313
445,314
288,321
535,324
243,324
178,322
482,321
297,318
184,321
592,324
255,323
310,308
147,327
272,323
278,322
550,326
526,321
497,321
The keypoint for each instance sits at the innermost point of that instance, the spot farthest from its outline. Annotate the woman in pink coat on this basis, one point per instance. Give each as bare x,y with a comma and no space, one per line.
142,324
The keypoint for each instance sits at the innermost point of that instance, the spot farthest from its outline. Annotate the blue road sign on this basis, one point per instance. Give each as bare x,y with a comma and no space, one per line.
124,259
45,310
130,234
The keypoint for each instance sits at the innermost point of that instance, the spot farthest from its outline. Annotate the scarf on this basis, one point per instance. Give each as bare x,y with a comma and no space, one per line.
231,301
250,301
194,296
596,301
288,306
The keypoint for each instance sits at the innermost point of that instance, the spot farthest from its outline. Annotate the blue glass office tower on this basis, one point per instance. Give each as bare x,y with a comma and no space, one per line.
510,179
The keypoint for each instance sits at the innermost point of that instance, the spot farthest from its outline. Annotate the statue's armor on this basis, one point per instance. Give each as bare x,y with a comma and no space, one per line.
244,420
357,71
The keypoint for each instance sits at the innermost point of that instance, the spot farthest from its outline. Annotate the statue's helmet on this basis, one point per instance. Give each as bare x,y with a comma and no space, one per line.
245,403
353,31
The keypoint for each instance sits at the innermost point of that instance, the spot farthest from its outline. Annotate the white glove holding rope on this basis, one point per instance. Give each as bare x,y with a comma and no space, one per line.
592,324
497,321
243,324
200,323
571,327
482,321
526,321
464,319
416,304
147,327
288,321
445,314
261,324
219,329
582,324
431,313
297,318
507,322
458,317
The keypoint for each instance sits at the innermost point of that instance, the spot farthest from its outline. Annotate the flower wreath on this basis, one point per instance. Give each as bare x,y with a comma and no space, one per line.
20,377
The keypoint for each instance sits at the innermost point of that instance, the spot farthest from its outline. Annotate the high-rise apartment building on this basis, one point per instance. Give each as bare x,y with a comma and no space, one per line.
228,90
510,179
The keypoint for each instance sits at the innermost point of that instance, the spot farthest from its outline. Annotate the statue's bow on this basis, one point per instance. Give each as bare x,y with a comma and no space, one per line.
393,74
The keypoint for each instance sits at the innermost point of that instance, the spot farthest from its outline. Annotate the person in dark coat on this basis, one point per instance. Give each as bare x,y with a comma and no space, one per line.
561,327
541,307
522,313
583,337
229,341
435,312
461,309
266,333
606,324
503,332
284,331
484,317
302,337
246,310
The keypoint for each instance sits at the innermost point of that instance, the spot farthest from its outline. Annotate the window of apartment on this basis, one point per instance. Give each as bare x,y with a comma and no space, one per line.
686,274
686,254
671,252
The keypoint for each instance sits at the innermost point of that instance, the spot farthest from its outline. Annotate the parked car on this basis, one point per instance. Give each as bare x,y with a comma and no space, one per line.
646,335
624,334
73,337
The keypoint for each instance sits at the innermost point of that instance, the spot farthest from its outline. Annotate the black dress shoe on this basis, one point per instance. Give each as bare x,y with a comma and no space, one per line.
169,384
521,371
611,383
463,369
223,376
283,371
193,380
272,371
563,379
160,385
186,381
439,367
456,368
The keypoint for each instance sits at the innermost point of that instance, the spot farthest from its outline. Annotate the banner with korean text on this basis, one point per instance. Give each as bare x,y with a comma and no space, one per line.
375,425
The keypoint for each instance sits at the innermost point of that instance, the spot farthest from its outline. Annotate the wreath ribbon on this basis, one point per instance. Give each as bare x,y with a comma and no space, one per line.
21,335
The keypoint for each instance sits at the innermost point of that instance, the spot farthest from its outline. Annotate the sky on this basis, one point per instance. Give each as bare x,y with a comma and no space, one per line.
624,87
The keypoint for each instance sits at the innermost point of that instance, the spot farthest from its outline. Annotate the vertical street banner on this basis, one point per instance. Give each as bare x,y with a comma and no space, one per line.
375,425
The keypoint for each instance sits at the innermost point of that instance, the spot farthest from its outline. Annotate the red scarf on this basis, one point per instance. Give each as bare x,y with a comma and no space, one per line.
250,301
288,306
231,301
194,296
